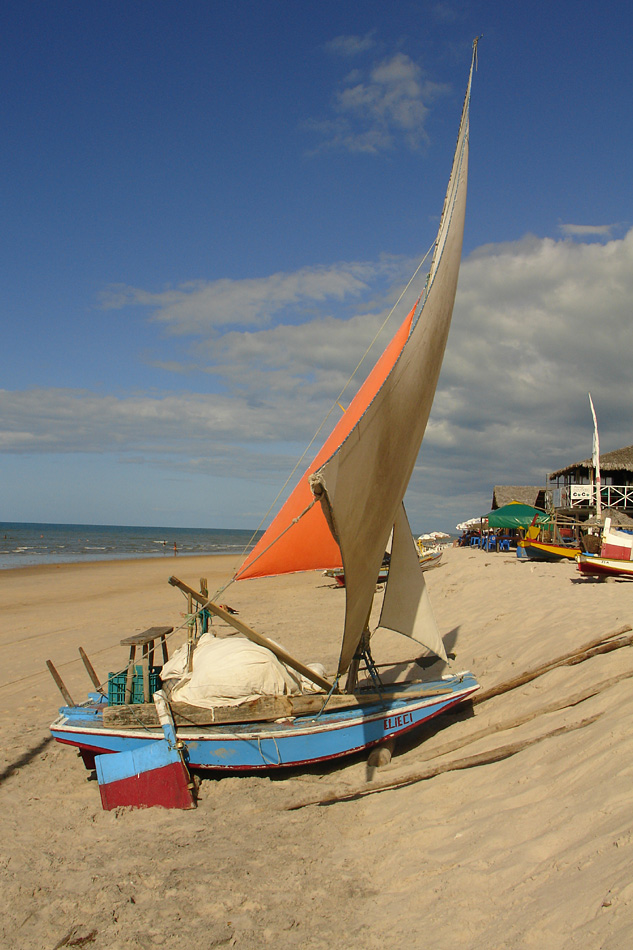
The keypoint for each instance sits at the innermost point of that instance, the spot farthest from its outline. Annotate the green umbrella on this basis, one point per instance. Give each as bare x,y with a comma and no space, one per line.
516,515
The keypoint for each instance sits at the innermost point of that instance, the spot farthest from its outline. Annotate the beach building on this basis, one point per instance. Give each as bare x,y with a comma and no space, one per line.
573,487
531,495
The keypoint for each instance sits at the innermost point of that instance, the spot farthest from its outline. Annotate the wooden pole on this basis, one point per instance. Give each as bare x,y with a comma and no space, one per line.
191,633
90,670
60,684
204,590
253,635
603,644
471,761
352,673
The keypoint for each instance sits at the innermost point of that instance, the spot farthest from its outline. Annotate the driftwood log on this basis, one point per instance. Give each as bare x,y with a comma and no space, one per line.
471,761
604,644
516,721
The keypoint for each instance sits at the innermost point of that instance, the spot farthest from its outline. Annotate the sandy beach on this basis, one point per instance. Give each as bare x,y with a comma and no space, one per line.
533,850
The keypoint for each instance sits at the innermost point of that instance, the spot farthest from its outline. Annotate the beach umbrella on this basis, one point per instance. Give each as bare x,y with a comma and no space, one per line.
516,515
471,523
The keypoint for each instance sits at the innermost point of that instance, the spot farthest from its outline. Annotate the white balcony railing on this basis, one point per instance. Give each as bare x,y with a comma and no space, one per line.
584,496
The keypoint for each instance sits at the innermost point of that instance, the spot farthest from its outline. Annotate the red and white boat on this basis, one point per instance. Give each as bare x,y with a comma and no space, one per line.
616,554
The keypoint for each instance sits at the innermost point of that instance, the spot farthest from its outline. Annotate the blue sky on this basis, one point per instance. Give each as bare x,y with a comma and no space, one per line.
209,207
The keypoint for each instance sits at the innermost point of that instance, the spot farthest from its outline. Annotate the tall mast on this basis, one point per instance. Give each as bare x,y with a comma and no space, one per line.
596,461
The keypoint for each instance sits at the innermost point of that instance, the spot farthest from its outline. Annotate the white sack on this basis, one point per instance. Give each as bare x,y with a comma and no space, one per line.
228,671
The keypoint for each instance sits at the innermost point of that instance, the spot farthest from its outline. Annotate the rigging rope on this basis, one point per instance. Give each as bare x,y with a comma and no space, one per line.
268,547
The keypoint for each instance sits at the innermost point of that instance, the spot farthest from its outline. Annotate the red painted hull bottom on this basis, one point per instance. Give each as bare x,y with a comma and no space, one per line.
604,566
168,787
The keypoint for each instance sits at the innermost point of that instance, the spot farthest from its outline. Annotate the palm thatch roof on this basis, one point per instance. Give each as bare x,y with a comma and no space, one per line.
525,494
621,460
619,519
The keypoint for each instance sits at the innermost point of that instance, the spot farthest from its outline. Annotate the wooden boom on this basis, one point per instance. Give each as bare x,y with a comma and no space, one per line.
253,635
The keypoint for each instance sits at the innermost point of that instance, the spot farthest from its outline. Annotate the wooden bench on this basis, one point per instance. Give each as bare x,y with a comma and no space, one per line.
146,641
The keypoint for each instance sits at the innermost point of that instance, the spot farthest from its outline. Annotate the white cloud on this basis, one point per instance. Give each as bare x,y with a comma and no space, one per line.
59,420
198,307
348,46
588,230
378,107
538,323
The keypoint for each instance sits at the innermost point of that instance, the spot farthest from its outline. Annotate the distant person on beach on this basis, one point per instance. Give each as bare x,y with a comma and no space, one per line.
175,549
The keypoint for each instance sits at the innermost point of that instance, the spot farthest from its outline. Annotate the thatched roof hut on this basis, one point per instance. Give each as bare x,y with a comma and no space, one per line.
619,519
525,494
619,463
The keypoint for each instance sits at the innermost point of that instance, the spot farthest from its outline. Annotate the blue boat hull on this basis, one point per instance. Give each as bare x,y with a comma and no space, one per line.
301,741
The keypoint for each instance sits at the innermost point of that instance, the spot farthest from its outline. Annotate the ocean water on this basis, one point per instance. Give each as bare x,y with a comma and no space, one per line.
23,545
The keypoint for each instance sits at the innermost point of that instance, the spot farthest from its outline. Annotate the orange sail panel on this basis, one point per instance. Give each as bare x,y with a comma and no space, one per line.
307,544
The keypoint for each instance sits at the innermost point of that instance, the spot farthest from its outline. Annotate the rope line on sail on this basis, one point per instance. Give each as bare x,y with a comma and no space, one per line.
269,546
337,402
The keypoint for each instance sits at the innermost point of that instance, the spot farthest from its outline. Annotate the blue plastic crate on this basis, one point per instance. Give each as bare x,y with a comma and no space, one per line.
116,685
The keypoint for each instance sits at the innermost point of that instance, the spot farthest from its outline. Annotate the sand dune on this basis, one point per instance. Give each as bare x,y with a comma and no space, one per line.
534,850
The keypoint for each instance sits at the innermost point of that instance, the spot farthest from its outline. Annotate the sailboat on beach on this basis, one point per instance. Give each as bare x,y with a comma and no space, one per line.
342,514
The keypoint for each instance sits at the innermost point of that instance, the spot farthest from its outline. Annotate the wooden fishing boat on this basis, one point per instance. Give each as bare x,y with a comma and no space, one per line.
341,515
534,550
597,566
430,559
555,539
427,560
616,554
616,543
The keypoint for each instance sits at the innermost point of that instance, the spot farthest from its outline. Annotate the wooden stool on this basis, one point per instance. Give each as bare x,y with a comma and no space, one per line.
146,641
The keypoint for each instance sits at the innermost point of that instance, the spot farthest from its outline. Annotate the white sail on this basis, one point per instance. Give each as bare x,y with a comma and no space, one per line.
406,607
362,485
596,461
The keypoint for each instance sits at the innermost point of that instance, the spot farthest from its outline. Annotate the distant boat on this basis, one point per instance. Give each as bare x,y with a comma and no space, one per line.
553,547
353,502
597,566
553,539
532,550
616,554
430,559
427,560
